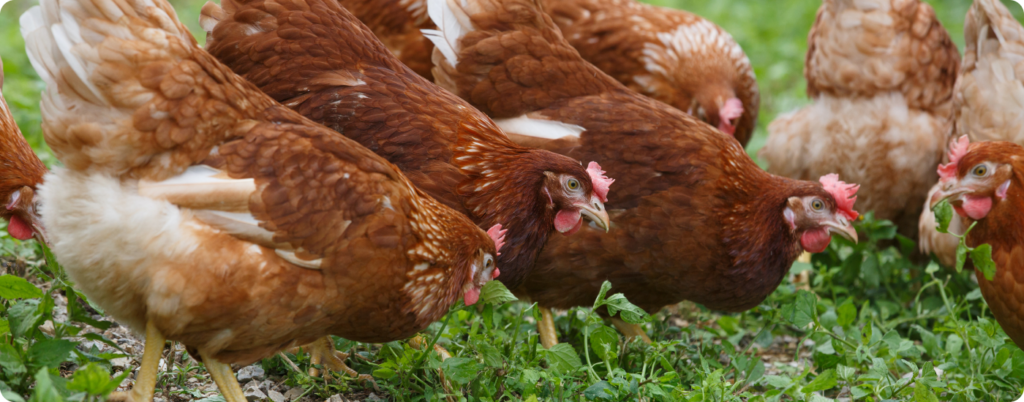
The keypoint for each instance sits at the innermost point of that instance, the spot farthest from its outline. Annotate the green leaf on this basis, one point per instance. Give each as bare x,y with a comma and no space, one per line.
45,390
78,314
14,287
383,373
826,380
943,214
847,313
628,312
605,343
953,344
961,256
605,287
491,354
11,360
924,394
869,271
24,316
49,353
460,369
94,379
562,358
982,258
801,311
495,292
600,390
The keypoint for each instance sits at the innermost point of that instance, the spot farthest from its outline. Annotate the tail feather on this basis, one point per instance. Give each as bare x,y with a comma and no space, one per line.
126,83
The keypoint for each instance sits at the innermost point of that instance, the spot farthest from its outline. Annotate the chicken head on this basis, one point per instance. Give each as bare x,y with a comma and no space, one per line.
575,198
974,183
815,217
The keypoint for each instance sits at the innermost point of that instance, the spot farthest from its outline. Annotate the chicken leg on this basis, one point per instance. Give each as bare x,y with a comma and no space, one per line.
145,381
546,328
224,377
630,330
321,352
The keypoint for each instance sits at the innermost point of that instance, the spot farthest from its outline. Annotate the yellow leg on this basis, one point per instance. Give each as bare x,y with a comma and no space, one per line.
546,328
321,352
630,330
224,377
145,382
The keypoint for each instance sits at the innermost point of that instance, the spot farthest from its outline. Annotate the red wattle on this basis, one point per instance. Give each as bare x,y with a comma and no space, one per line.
815,240
976,207
18,229
471,297
568,222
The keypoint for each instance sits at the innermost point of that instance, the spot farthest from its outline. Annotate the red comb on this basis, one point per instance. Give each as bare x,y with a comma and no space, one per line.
601,182
845,194
957,151
498,236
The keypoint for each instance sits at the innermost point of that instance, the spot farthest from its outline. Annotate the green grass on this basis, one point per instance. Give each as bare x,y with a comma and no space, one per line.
870,326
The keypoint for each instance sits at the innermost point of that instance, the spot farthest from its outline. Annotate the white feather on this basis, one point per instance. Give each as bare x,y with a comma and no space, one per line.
539,128
451,28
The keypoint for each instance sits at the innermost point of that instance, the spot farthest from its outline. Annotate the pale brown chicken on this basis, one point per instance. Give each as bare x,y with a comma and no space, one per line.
988,100
20,175
694,217
194,207
880,74
670,55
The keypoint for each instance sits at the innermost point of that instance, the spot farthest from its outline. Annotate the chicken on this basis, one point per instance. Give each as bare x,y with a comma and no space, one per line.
331,69
880,74
983,183
694,218
20,174
193,207
670,55
987,100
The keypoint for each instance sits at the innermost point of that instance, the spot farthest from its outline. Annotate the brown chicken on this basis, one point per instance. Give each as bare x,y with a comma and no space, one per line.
670,55
314,56
194,207
984,182
21,173
988,100
881,75
694,217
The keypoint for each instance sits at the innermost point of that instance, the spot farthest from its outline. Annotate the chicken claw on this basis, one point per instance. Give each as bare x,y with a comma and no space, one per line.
145,381
631,331
546,328
322,352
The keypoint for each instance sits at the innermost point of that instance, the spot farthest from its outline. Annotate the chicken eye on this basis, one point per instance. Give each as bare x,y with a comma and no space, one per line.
573,184
817,205
980,170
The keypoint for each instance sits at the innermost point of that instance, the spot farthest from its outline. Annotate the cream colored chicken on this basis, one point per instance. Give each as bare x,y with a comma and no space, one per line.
988,100
881,74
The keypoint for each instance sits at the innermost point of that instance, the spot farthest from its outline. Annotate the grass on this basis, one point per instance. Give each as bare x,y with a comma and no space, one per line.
869,326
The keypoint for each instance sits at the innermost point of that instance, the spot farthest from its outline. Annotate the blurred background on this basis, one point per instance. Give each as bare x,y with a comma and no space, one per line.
772,32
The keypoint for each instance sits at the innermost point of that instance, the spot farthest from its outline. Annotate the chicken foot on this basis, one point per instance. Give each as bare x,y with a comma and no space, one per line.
546,328
631,331
225,379
145,381
322,352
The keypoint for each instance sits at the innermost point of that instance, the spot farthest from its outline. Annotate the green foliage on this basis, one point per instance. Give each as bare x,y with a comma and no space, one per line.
981,256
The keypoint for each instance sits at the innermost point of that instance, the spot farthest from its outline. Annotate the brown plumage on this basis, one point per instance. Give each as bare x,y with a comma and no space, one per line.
984,182
315,57
694,217
194,206
21,171
987,100
670,55
880,74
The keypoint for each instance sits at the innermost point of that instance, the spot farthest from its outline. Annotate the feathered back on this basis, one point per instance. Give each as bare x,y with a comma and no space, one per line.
989,95
21,167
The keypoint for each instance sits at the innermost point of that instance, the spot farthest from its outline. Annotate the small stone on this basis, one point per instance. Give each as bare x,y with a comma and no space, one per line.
253,372
373,397
276,396
252,392
293,394
336,398
266,385
121,362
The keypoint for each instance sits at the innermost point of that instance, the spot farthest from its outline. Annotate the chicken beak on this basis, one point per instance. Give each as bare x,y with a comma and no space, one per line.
951,191
595,212
842,228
